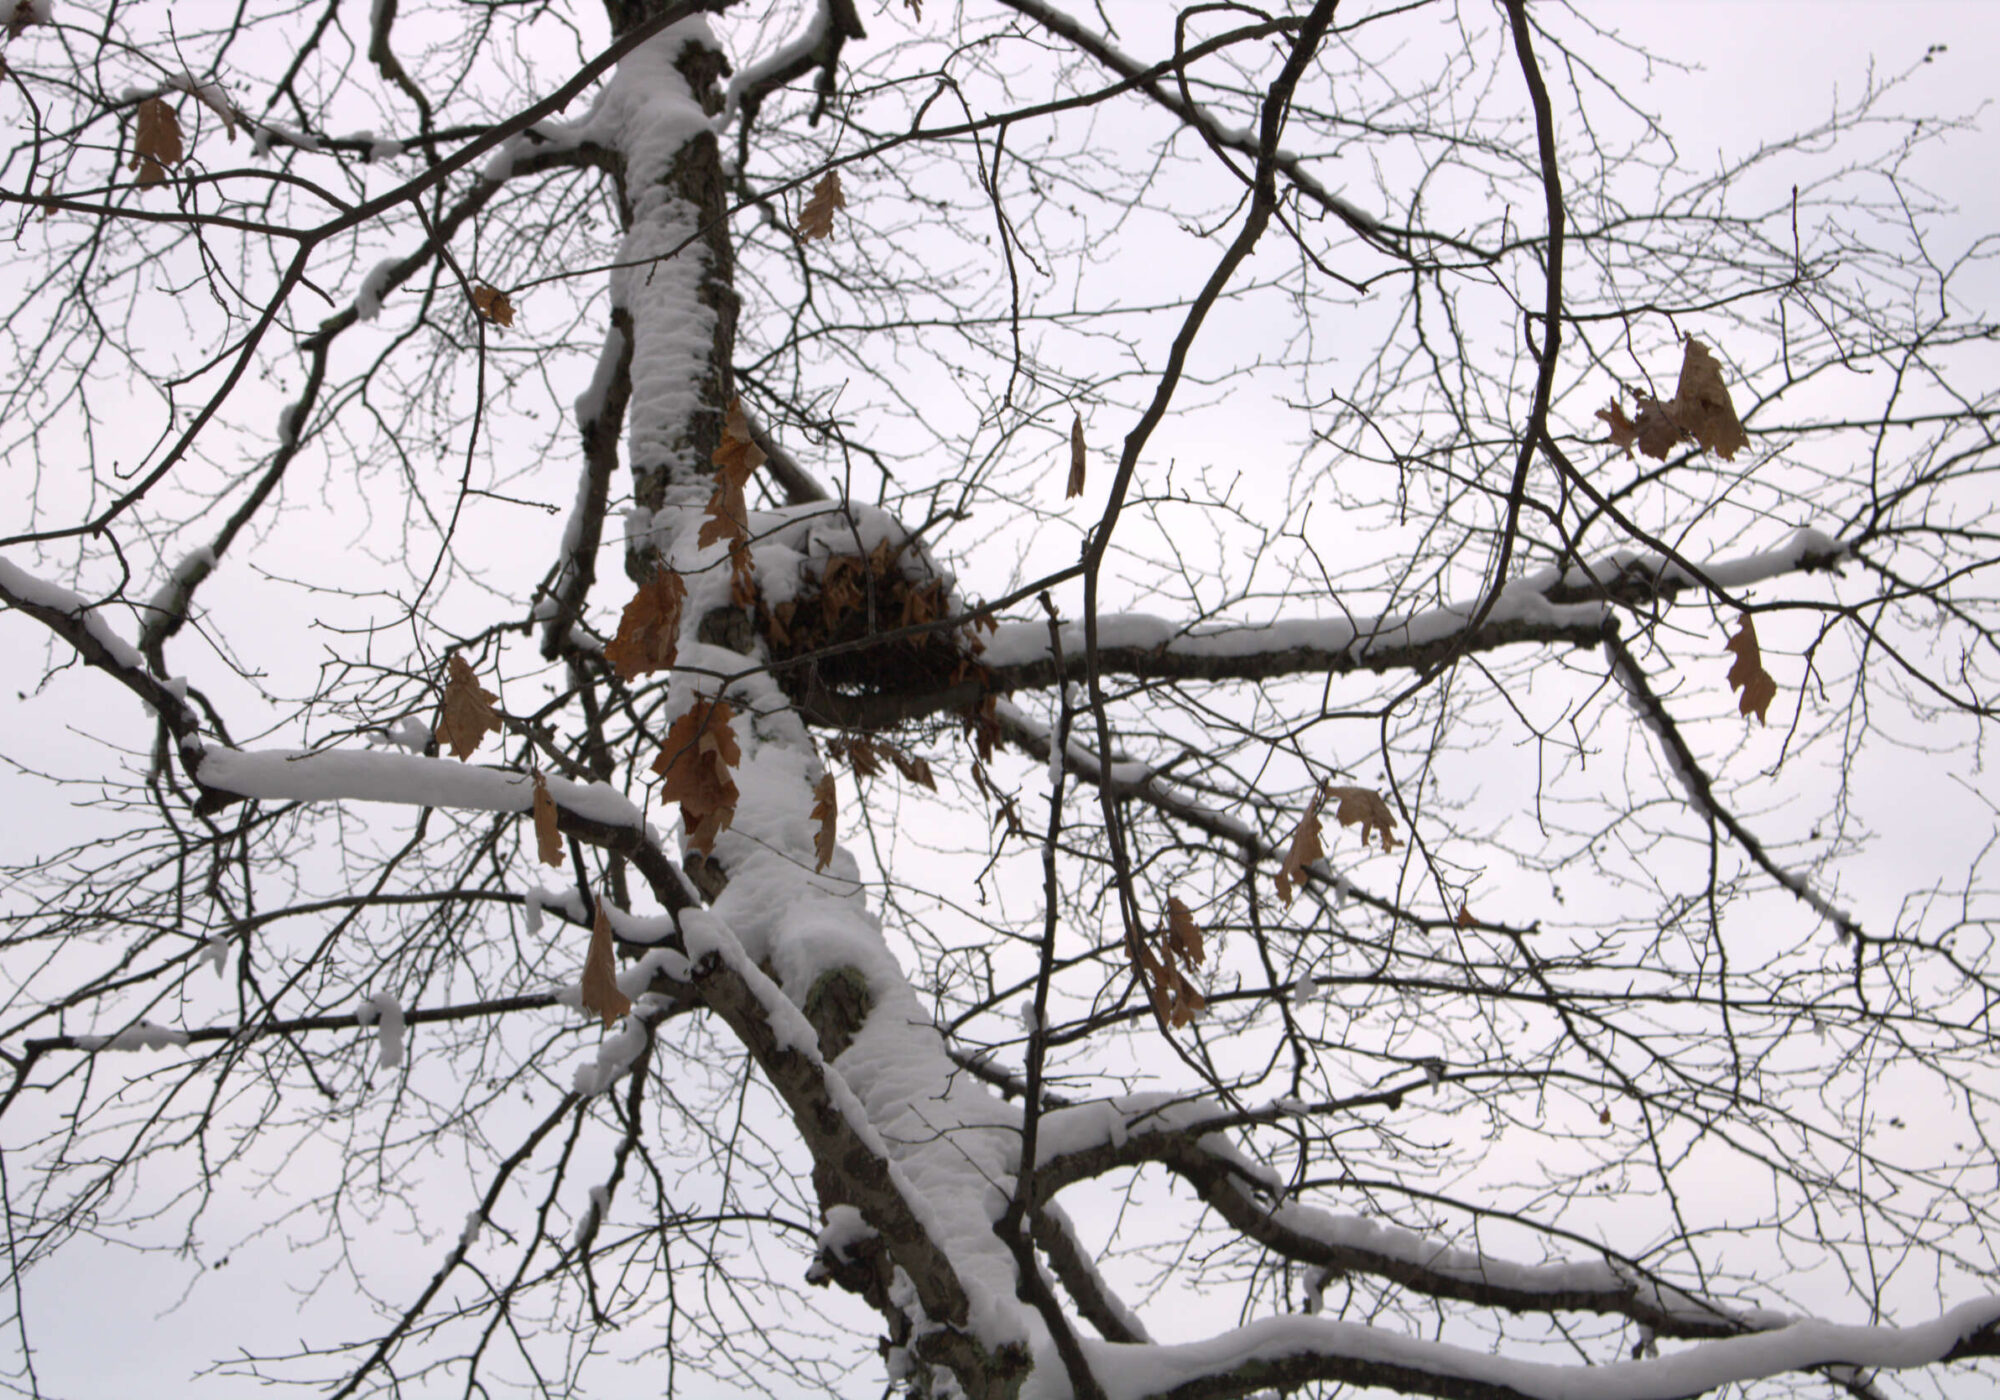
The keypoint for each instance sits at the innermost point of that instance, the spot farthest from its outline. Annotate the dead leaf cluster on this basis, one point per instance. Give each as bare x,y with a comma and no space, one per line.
1699,412
727,516
695,765
1165,967
843,599
864,754
1354,806
492,305
649,630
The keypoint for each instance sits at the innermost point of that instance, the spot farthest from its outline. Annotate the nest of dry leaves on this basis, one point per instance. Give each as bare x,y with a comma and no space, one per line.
859,624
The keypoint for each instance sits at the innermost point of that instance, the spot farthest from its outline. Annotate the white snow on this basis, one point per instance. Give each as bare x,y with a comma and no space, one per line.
25,588
1130,1372
383,1007
616,1054
294,775
375,286
172,595
142,1036
215,952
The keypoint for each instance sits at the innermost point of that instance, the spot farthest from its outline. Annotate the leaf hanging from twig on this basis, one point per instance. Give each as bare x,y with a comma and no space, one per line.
600,972
816,219
1076,459
156,141
467,715
823,818
492,305
1360,806
1747,674
649,629
1304,850
548,840
695,765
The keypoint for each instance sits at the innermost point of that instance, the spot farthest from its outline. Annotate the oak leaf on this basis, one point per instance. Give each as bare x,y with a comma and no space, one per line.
1076,459
728,518
823,815
1360,806
1183,933
548,840
649,629
914,767
816,219
600,973
916,7
1701,404
1624,432
1700,410
694,766
156,141
492,305
1304,850
467,715
1748,674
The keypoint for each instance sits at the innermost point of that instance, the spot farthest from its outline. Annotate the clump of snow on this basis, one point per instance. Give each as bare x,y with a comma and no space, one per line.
375,286
215,952
593,1212
383,1008
142,1036
616,1054
475,1222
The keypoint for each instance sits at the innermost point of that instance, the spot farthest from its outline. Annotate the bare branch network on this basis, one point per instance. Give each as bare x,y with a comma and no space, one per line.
988,701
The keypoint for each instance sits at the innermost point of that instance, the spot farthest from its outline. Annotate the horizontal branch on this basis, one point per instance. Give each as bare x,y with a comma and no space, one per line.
1288,1352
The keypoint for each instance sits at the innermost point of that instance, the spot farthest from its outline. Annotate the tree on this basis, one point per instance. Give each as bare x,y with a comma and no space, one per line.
1263,534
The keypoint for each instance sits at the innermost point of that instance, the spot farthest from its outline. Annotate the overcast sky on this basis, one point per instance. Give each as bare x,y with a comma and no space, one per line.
1767,66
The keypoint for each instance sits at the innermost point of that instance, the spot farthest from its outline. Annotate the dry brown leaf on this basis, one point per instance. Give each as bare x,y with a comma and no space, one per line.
1360,806
1604,1114
1076,459
1748,674
1701,404
23,13
1465,917
600,973
816,219
823,815
492,305
914,767
861,754
916,7
1305,849
467,715
649,629
694,766
548,840
1183,933
1624,432
1700,409
727,515
156,141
